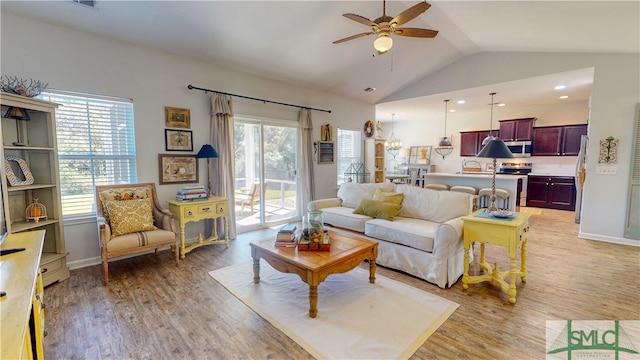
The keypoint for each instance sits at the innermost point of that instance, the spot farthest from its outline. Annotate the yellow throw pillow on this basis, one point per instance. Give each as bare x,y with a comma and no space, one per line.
378,209
389,197
129,216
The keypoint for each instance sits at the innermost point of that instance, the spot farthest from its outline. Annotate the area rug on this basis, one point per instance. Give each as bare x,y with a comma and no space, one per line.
356,319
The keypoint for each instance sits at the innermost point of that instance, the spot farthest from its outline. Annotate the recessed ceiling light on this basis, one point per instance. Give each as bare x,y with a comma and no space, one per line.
559,87
452,110
502,104
564,97
461,101
370,89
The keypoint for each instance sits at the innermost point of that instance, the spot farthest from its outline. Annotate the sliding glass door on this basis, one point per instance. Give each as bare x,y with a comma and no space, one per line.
266,153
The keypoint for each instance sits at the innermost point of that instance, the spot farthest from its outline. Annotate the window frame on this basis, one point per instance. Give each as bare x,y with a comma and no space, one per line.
110,123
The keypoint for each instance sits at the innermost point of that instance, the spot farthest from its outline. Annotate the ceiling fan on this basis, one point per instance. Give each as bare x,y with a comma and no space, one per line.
385,25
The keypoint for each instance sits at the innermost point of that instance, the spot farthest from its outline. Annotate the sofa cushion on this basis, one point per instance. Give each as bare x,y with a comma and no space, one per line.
390,197
129,216
343,217
434,205
418,234
140,239
352,193
377,209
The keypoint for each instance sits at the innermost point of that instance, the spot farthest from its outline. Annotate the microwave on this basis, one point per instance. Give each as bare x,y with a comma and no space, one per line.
519,148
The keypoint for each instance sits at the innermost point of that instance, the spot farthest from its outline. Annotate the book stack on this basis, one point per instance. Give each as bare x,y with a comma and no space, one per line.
192,193
287,236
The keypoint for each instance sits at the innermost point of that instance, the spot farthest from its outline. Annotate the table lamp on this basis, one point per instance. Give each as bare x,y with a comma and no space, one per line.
18,114
207,152
495,148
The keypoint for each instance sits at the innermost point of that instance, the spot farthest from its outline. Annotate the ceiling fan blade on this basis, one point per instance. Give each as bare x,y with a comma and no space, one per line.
353,37
361,19
414,32
411,13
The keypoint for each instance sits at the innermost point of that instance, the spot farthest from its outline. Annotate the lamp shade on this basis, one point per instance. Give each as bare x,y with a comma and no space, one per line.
207,151
383,43
495,148
17,113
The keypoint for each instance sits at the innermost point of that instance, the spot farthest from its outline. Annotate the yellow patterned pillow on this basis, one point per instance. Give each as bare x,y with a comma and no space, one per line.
129,216
388,197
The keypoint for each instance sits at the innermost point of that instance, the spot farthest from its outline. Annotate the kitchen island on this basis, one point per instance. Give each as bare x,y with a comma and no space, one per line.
514,184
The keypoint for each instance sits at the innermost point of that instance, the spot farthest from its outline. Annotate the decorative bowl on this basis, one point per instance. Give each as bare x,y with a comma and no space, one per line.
502,213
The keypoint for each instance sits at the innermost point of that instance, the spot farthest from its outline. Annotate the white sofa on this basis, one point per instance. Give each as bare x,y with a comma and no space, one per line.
424,239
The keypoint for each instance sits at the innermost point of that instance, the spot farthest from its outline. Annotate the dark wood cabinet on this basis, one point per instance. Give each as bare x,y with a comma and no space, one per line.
517,129
471,142
571,139
557,140
555,192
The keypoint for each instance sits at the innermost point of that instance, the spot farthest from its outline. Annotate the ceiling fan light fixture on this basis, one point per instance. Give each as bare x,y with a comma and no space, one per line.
383,43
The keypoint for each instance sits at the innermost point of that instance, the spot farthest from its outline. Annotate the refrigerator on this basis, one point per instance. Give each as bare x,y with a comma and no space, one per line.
581,173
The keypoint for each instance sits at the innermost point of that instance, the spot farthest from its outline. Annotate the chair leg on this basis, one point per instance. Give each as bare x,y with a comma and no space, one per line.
177,252
105,271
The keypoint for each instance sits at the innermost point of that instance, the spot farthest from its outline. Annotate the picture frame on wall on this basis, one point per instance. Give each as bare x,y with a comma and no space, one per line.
420,155
177,169
177,117
178,140
325,152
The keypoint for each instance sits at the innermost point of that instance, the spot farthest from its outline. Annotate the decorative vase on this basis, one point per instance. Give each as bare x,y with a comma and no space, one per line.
315,226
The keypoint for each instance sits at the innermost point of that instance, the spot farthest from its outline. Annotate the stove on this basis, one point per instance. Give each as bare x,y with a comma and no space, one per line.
515,168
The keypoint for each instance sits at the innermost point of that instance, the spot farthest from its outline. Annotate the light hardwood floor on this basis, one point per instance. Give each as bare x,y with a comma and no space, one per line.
153,309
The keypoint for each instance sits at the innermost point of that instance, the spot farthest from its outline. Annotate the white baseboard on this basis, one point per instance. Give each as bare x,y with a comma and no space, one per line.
82,263
609,239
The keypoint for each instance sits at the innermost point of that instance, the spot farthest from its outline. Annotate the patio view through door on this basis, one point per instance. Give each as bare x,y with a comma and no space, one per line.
266,172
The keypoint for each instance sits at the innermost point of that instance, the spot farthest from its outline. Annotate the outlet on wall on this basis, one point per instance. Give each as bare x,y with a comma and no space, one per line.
606,169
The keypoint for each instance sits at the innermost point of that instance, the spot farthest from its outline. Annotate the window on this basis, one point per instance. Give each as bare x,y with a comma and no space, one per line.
349,151
96,146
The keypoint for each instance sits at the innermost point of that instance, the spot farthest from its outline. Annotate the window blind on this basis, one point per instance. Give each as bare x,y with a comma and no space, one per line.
349,151
96,146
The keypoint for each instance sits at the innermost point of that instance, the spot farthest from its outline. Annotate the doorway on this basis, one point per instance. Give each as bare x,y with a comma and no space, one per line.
266,153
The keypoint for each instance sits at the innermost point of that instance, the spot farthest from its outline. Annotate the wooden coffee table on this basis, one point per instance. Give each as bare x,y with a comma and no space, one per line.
314,266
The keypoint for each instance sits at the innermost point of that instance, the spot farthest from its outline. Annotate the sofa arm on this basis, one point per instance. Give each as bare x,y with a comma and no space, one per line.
324,203
448,237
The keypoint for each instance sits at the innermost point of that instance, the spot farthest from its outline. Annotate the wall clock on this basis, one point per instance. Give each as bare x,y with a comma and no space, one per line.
368,128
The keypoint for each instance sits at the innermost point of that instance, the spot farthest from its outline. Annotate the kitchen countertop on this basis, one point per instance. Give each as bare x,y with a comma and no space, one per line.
480,175
551,174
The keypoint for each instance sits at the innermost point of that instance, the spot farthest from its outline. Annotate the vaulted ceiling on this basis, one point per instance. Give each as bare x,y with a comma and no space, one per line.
291,41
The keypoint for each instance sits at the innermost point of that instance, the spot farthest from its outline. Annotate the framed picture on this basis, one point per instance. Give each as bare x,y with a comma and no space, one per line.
325,152
420,155
176,169
178,140
177,118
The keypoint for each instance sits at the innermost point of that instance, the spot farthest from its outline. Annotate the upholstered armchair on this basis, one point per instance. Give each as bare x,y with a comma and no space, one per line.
130,221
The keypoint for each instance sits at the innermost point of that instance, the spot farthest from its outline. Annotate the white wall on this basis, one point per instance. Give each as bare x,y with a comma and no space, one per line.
72,60
616,91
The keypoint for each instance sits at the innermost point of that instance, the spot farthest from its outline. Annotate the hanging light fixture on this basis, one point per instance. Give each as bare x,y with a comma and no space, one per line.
490,136
393,145
444,146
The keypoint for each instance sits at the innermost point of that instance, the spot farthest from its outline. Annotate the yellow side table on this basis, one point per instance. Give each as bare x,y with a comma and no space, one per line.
192,211
510,233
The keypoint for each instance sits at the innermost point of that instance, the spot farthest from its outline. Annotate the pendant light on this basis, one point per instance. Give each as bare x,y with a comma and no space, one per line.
393,145
444,146
490,136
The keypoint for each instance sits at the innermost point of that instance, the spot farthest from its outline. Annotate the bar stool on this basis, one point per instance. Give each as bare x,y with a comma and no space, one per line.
437,187
465,189
484,198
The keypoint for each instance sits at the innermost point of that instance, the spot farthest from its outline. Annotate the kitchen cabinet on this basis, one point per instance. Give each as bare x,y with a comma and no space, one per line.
554,192
374,158
471,142
557,140
30,174
517,129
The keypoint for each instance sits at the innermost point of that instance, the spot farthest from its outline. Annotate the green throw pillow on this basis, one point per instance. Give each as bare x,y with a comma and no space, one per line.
387,196
130,216
378,209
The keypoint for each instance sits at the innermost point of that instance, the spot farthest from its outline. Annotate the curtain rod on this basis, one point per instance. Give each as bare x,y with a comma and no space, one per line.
191,87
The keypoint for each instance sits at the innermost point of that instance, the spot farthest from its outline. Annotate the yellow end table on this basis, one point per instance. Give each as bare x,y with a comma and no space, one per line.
510,233
192,211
